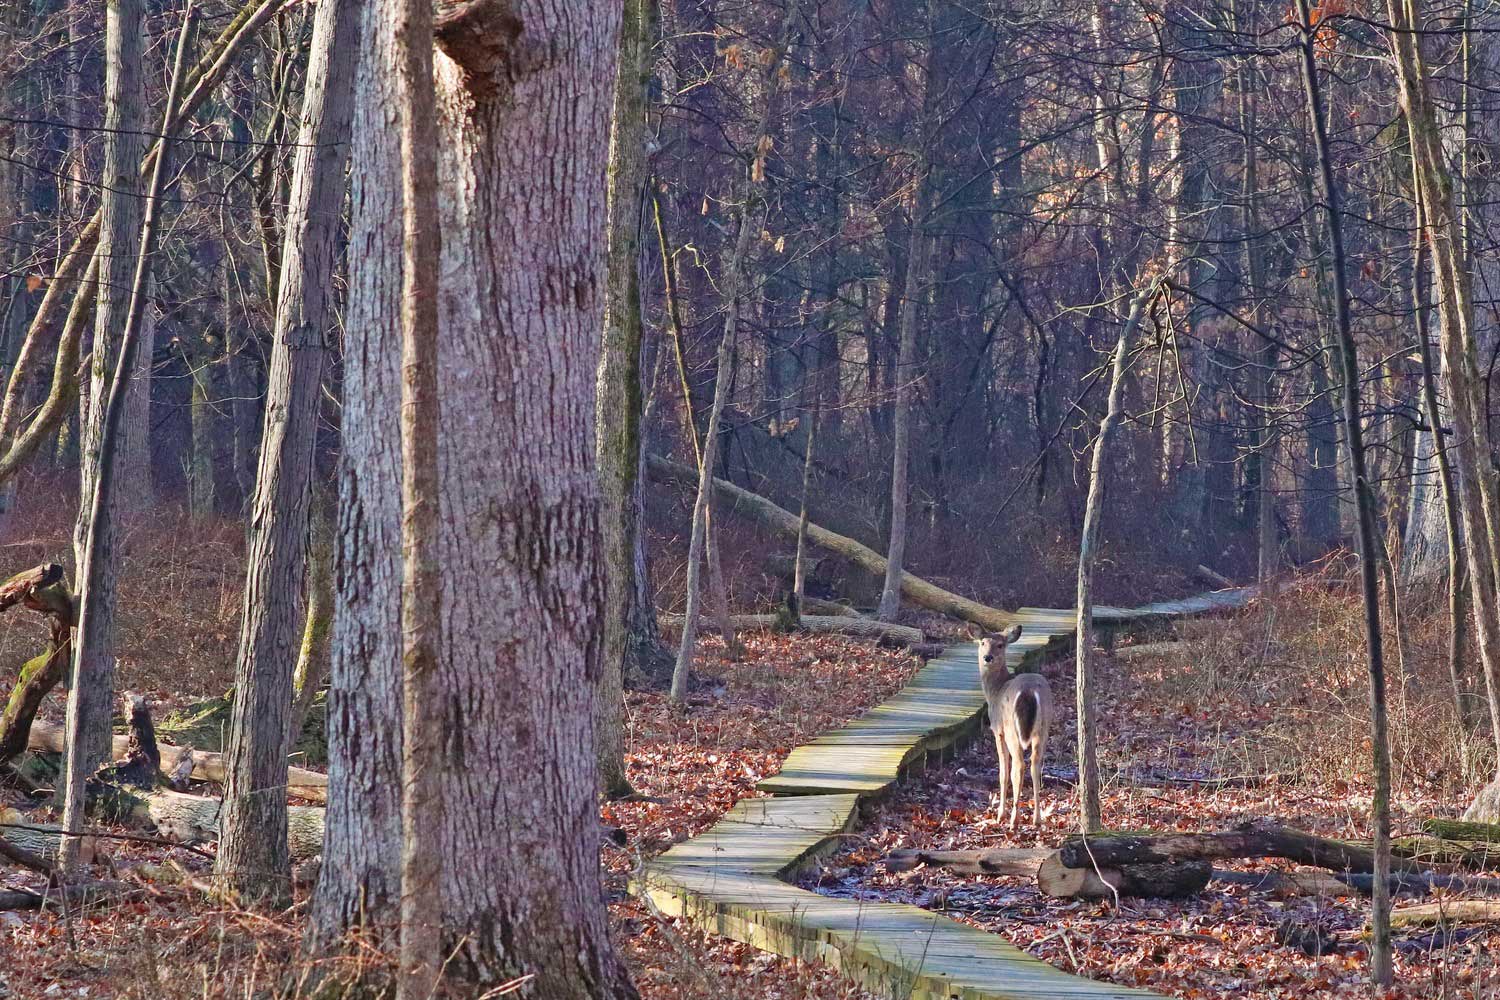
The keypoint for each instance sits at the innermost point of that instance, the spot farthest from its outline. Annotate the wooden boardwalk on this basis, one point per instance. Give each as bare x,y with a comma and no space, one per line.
733,878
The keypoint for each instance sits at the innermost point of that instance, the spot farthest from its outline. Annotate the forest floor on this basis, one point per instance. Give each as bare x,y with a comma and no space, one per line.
1265,695
170,942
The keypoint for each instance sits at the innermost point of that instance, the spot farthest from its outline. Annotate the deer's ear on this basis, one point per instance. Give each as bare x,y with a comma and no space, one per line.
1013,634
973,632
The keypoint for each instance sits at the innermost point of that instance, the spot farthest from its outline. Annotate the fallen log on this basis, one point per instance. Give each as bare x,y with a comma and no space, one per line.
991,861
818,606
88,893
779,519
49,737
1247,842
1163,880
1145,649
867,628
1457,829
186,819
1452,911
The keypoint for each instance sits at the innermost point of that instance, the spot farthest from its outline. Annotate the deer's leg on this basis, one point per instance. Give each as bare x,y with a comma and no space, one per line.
1038,748
1004,770
1017,778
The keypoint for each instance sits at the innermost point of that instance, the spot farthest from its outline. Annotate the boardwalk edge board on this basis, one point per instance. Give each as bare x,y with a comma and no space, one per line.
733,879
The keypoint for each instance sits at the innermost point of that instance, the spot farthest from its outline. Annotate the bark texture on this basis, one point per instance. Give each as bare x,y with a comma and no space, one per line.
253,863
521,167
120,210
358,884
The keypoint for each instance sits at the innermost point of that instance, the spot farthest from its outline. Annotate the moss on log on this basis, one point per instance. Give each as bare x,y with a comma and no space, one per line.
1457,829
203,726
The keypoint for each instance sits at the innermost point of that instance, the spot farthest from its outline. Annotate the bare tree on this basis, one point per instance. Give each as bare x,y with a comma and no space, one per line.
92,665
253,861
631,644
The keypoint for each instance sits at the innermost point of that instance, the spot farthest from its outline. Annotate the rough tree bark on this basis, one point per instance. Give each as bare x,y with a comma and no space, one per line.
359,883
93,666
423,738
253,864
523,94
1088,762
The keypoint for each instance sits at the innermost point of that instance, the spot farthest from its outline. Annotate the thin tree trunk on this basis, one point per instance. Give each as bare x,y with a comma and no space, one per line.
731,282
718,591
1090,811
619,397
253,864
799,581
424,770
918,250
1458,579
117,252
1369,553
93,667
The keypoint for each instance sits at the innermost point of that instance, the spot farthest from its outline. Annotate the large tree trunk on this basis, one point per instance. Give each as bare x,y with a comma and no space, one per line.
253,864
627,632
522,159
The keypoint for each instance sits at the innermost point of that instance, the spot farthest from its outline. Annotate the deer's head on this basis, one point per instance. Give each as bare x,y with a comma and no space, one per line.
992,645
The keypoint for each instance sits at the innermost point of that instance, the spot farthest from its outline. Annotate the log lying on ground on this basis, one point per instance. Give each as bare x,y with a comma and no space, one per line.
88,893
1164,880
1127,653
862,627
1457,829
758,508
187,819
990,861
310,785
1453,911
1128,880
818,606
1251,842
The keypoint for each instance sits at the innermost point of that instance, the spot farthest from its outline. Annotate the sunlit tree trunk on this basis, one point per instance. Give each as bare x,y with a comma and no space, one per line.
253,863
121,207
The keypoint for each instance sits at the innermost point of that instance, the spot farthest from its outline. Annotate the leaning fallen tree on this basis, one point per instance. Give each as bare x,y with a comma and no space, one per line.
783,521
867,628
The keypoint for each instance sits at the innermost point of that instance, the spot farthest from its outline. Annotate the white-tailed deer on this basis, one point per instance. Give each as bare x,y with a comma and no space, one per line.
1020,715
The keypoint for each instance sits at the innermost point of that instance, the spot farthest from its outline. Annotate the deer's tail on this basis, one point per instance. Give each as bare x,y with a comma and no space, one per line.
1028,710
